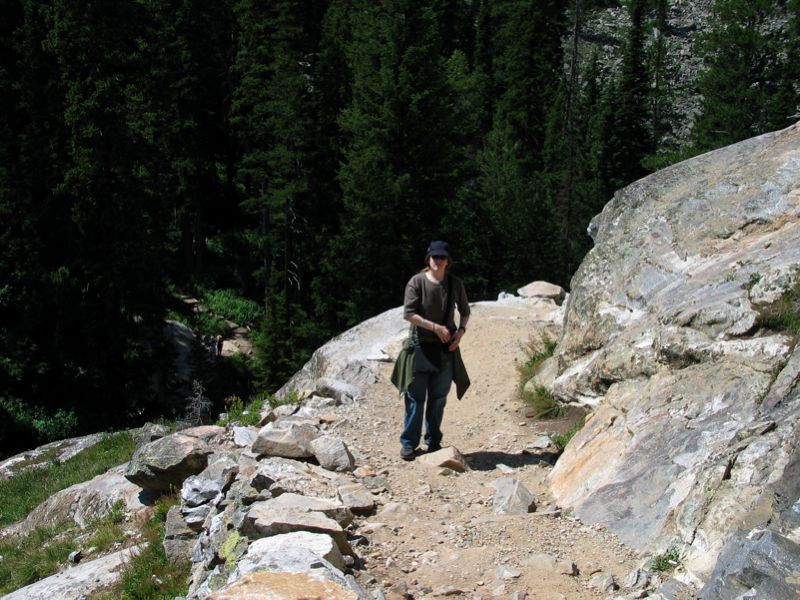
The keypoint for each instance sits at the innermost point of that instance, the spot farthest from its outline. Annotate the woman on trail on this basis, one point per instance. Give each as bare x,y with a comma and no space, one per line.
431,360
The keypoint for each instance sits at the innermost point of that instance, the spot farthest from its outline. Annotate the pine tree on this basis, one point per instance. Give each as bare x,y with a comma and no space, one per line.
630,139
87,292
397,174
741,74
274,118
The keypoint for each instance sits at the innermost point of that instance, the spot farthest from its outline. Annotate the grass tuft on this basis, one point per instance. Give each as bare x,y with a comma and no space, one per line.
666,561
150,575
544,405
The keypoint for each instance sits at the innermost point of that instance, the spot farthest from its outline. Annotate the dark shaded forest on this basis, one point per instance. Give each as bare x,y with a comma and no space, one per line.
294,158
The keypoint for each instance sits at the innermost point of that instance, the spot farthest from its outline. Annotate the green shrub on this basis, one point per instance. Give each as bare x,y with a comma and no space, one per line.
25,491
542,402
666,561
232,306
45,426
239,413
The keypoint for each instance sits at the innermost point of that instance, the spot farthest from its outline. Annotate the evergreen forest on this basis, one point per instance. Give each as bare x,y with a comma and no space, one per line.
290,161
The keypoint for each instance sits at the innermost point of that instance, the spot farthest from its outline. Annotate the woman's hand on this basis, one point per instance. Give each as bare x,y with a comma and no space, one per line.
442,332
456,340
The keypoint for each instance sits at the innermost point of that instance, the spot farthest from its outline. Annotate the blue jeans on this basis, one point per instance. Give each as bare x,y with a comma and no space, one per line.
434,387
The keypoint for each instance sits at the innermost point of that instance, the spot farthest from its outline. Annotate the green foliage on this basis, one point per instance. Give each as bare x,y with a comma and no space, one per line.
539,398
666,561
44,426
544,405
232,306
239,413
747,85
23,492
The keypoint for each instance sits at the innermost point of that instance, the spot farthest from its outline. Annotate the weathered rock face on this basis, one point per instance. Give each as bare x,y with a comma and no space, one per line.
694,434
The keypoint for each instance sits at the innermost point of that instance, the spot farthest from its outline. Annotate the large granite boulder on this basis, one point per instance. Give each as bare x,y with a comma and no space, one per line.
166,462
693,435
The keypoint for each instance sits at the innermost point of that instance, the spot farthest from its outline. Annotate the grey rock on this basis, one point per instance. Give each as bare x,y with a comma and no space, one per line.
332,453
637,579
149,432
244,436
262,520
448,457
199,490
662,341
330,508
764,564
511,497
603,582
352,357
179,538
543,289
357,498
287,441
195,516
166,462
299,551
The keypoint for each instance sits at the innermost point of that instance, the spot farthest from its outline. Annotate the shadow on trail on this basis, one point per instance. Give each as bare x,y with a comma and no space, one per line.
488,461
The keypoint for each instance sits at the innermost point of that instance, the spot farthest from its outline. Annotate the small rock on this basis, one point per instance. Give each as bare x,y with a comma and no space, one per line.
603,582
504,572
75,556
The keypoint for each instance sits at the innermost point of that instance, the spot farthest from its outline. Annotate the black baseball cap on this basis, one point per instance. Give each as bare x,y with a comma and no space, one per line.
438,248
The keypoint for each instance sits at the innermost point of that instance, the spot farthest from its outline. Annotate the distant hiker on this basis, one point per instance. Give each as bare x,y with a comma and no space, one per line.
218,345
431,359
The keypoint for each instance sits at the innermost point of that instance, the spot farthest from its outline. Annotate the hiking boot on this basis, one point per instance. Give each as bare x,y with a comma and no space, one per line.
407,453
434,448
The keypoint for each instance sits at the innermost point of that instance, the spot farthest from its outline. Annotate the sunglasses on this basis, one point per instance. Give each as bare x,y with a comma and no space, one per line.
439,257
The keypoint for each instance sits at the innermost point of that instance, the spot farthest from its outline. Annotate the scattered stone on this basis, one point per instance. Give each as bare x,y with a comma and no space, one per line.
603,582
288,440
448,457
75,556
543,289
504,572
448,590
546,562
357,498
637,579
330,508
395,510
511,497
198,490
332,453
504,468
541,443
244,437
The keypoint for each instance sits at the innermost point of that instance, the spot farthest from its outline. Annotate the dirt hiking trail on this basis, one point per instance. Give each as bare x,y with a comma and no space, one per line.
436,535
